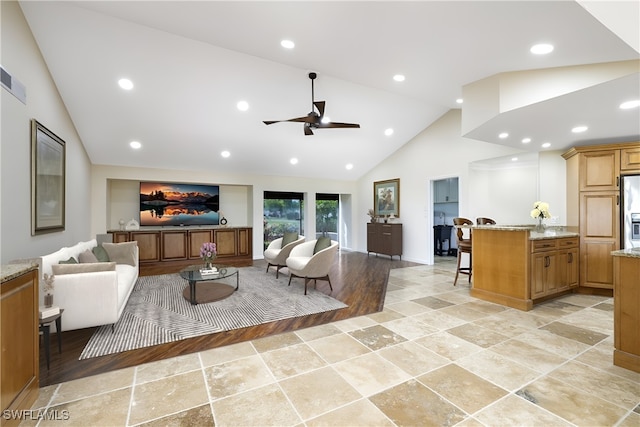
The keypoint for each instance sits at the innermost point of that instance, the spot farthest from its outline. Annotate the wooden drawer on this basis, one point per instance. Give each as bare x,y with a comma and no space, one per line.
568,242
540,245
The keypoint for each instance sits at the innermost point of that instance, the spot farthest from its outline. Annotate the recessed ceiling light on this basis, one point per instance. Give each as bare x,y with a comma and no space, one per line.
526,140
579,129
349,166
243,105
293,161
225,154
630,104
514,159
135,145
503,135
287,44
125,84
459,101
546,145
388,131
398,77
541,49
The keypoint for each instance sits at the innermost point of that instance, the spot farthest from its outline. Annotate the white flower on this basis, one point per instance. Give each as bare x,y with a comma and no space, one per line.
540,210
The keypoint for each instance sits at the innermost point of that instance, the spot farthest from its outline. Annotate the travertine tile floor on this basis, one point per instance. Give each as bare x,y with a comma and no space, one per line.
434,356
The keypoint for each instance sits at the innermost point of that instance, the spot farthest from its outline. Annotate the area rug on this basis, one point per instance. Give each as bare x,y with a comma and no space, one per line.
157,312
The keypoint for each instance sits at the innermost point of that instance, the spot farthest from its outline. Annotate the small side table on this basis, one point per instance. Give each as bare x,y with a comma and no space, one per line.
45,327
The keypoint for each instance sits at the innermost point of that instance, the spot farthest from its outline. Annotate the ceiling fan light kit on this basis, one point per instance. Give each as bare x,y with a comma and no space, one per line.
314,120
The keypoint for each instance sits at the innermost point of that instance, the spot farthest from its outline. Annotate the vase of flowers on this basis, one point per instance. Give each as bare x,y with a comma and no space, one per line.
208,253
372,215
48,289
540,211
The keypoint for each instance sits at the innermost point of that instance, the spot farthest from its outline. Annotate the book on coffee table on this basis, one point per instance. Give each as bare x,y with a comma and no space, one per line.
208,272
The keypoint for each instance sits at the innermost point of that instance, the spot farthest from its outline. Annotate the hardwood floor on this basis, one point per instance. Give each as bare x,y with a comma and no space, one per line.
358,280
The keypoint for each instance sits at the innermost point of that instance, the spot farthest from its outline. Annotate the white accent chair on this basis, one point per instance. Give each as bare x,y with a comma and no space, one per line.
276,255
304,263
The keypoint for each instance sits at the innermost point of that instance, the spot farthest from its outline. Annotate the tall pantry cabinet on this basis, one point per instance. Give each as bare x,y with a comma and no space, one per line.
593,205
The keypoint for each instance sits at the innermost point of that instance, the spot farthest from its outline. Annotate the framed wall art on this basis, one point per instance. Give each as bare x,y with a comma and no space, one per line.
47,180
386,197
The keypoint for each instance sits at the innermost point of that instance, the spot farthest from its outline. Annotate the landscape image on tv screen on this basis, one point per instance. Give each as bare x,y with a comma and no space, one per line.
164,204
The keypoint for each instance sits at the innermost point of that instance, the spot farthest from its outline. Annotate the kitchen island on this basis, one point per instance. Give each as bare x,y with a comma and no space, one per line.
626,308
517,266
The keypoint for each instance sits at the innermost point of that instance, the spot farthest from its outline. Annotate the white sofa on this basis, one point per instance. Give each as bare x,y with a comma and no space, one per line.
91,293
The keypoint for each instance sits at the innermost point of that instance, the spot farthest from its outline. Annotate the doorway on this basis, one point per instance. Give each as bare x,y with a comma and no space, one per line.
445,208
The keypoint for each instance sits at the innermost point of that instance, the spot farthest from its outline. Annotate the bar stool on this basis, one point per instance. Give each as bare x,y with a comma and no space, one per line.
464,246
483,221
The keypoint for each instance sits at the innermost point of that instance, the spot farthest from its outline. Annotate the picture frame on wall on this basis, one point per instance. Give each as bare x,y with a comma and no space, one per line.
386,197
48,180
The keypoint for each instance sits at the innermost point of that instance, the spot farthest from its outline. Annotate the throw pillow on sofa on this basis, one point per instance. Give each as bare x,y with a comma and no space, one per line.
60,269
101,254
86,257
71,260
122,253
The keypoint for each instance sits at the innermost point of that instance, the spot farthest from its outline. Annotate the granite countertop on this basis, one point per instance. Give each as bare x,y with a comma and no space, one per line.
549,233
631,253
11,271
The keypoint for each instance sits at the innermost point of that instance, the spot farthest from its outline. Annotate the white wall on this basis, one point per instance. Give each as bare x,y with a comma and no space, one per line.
440,152
21,58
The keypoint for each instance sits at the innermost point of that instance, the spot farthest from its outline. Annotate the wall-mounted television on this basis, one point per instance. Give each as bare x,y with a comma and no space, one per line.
166,204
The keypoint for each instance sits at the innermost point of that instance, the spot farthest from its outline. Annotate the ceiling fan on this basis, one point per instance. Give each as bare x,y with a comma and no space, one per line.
314,120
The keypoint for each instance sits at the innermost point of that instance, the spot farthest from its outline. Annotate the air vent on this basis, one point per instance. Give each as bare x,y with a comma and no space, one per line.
14,86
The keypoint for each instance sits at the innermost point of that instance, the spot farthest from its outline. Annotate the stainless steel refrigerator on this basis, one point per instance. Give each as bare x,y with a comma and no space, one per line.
630,211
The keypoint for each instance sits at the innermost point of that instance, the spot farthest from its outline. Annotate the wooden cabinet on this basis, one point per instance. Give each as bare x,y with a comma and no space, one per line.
196,239
630,160
554,266
148,245
544,265
569,270
511,269
593,205
174,245
180,247
19,340
599,229
600,170
626,312
384,239
445,190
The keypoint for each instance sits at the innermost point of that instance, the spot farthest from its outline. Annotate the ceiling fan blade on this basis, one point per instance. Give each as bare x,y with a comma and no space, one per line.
307,130
305,119
320,106
338,125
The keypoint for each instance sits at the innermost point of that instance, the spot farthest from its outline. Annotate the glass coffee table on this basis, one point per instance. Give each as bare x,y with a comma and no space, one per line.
208,289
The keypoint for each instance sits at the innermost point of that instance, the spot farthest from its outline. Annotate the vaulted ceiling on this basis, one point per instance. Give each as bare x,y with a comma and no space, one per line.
192,62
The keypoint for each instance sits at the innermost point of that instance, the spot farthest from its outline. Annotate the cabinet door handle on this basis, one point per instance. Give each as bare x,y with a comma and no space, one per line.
618,200
546,261
617,181
570,258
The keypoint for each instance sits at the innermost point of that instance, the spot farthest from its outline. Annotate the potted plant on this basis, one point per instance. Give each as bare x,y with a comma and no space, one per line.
48,289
